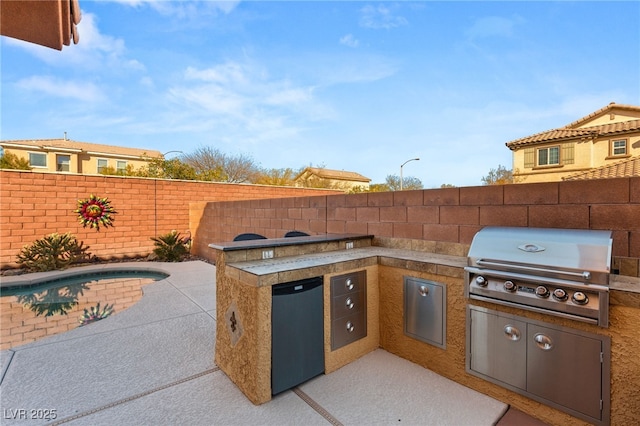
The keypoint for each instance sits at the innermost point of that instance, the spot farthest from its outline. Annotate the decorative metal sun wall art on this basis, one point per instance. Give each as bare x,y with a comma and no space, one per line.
95,212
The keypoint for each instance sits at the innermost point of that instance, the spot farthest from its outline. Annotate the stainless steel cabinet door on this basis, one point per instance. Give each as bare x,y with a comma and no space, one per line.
565,368
425,311
499,348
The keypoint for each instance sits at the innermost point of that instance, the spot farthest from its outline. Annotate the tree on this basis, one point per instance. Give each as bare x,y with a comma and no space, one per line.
408,183
499,176
168,169
276,177
112,171
379,187
212,165
447,185
11,161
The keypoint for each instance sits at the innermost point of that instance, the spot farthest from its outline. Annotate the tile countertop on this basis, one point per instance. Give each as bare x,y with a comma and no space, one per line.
270,268
279,270
282,242
624,283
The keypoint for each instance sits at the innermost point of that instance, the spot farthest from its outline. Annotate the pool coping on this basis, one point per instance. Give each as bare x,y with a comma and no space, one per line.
34,278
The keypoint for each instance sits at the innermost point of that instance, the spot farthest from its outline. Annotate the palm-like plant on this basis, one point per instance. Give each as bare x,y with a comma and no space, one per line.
55,251
171,247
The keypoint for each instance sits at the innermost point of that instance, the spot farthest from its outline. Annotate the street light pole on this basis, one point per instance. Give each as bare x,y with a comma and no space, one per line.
401,166
169,152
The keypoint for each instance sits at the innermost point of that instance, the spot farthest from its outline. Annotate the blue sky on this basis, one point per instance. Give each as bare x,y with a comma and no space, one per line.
360,86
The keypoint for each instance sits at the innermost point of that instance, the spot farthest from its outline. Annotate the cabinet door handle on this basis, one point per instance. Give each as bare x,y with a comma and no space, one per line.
348,284
350,327
543,342
349,303
424,290
511,332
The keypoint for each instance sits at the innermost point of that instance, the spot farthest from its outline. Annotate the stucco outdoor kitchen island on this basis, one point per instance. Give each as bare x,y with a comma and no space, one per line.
246,273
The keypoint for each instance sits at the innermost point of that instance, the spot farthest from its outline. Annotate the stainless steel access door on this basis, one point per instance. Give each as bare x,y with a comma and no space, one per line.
498,348
425,311
565,368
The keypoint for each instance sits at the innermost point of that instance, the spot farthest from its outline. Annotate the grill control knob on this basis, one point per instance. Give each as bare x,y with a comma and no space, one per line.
580,298
510,286
481,281
542,291
560,294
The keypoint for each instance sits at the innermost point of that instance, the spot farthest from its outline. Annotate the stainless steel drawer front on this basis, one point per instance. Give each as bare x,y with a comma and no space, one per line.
348,304
348,283
348,308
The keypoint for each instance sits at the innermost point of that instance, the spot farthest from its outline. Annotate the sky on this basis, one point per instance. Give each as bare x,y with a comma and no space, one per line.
360,86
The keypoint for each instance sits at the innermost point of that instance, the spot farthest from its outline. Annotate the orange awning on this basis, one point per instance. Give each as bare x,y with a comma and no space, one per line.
50,23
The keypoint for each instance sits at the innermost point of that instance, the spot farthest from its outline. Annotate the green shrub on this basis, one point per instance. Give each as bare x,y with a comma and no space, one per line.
171,247
11,161
52,252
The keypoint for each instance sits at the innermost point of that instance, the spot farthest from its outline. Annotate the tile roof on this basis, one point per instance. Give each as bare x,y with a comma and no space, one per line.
625,168
85,146
570,132
611,106
335,174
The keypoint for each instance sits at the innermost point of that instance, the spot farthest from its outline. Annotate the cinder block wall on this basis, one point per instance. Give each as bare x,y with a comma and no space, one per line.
34,204
447,215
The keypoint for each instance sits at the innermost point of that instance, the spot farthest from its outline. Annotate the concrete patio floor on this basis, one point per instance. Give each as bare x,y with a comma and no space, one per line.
153,364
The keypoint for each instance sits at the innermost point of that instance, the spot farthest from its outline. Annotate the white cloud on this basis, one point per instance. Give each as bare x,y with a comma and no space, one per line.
94,51
234,88
182,8
85,92
209,98
147,82
289,96
227,73
351,68
240,101
380,17
349,40
493,26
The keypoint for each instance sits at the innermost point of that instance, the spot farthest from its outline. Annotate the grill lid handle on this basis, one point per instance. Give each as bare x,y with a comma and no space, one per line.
586,275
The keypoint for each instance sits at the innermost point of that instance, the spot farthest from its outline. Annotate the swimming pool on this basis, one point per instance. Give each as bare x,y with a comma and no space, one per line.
33,311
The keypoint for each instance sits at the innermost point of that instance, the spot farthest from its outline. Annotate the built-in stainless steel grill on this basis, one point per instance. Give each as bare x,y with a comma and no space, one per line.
561,272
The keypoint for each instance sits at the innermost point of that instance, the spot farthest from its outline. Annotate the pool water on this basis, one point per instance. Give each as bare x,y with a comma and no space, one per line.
53,307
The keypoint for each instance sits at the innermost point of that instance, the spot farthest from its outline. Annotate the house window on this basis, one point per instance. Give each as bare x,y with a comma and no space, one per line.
121,167
619,147
102,164
62,163
37,159
549,156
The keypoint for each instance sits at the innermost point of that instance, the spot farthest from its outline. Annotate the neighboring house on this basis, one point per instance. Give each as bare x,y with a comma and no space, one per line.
324,178
605,143
67,156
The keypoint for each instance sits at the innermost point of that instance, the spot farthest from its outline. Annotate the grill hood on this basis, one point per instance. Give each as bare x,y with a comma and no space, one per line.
575,254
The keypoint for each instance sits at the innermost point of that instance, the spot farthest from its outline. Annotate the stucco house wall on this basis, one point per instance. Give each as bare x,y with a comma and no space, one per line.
83,157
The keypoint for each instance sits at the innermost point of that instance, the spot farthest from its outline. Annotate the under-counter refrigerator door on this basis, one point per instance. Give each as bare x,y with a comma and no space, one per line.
565,368
297,333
